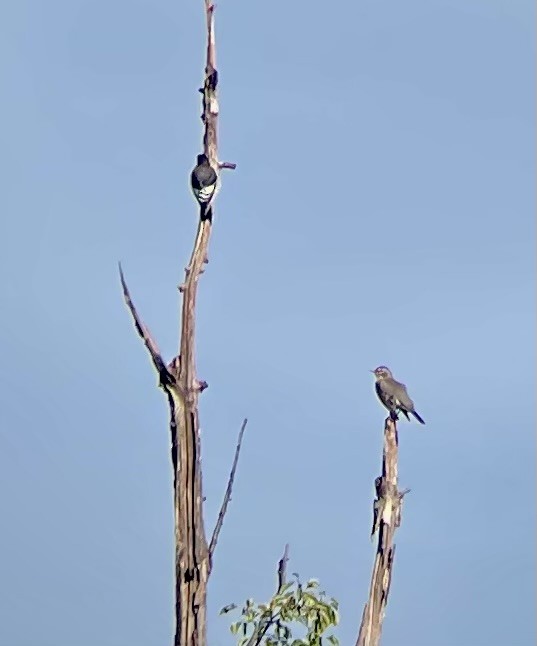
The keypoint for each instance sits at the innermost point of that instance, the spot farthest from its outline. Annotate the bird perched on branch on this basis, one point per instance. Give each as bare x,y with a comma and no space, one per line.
203,182
393,394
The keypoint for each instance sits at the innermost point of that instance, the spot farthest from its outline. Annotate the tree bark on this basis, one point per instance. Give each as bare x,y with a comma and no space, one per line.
179,381
386,519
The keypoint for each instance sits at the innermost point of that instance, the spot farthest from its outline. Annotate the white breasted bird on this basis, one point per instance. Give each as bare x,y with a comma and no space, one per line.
393,394
203,182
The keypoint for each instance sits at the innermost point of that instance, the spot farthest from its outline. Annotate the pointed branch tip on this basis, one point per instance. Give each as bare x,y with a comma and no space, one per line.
282,567
145,335
229,489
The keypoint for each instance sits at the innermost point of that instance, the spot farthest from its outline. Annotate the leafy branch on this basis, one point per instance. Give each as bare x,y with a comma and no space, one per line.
297,615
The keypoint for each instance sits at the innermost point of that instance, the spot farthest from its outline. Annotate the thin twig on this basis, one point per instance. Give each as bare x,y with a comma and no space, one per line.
145,334
263,626
229,489
282,567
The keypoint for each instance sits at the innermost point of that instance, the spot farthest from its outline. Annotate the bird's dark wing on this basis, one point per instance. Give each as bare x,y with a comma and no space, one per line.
205,175
405,404
401,394
194,180
394,396
212,176
384,394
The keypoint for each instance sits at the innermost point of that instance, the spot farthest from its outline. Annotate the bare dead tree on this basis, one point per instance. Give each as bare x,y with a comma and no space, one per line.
386,519
178,380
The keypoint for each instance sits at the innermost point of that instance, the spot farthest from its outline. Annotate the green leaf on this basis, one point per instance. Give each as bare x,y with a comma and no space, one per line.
310,600
334,615
285,587
228,608
325,620
291,603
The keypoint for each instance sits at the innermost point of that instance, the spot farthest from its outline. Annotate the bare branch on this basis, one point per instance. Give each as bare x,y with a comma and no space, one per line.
265,624
386,519
282,567
192,560
182,387
165,376
229,489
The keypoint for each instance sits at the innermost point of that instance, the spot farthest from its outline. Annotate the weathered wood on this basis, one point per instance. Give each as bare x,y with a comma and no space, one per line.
386,519
179,381
192,565
227,494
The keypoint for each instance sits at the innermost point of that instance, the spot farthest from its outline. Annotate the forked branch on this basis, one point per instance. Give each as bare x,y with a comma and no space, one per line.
178,380
166,378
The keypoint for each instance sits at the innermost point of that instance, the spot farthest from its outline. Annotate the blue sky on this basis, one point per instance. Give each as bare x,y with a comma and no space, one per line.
381,212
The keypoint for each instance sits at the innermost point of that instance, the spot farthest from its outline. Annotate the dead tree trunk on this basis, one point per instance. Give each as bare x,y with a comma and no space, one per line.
386,519
193,555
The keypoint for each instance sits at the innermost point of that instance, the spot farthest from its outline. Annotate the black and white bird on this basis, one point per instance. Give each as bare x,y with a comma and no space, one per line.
203,181
393,394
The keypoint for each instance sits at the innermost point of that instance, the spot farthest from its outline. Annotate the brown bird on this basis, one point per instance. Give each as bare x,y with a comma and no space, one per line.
393,394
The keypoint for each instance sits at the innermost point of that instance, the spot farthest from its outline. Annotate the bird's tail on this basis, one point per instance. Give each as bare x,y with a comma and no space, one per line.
206,212
420,420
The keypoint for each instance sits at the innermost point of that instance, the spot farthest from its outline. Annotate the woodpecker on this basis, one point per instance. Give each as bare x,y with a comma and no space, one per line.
203,182
393,394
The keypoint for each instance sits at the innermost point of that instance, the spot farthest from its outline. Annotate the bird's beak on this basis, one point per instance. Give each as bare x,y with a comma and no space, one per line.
372,371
